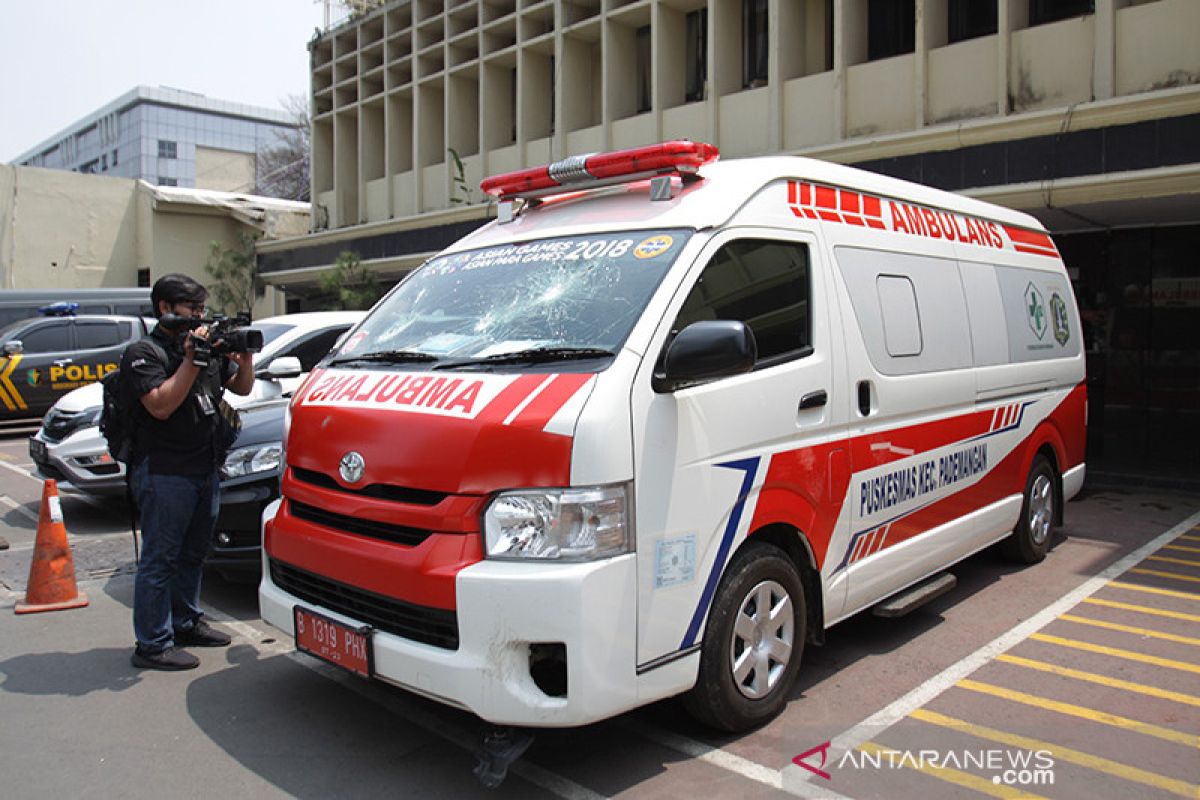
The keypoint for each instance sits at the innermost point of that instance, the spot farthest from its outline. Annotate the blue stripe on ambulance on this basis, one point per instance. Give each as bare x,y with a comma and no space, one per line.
750,467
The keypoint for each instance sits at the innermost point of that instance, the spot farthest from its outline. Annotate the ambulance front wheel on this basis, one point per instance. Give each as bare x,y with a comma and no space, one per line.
752,643
1031,538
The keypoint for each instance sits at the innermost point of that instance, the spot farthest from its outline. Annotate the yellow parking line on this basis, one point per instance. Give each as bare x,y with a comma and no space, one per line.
1181,547
1172,575
1070,709
1189,537
1116,626
1137,587
1125,771
1187,562
959,777
1129,655
1158,612
1103,680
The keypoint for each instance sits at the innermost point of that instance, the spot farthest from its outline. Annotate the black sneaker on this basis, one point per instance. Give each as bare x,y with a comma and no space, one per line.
172,659
201,634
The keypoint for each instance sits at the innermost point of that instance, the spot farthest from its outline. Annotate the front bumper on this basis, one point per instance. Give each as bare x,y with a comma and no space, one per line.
502,609
79,461
237,538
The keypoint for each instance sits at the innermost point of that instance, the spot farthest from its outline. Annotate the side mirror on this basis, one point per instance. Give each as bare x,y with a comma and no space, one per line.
13,348
282,367
706,351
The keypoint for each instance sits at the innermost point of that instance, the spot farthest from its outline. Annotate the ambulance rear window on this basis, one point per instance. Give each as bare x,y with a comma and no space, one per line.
564,293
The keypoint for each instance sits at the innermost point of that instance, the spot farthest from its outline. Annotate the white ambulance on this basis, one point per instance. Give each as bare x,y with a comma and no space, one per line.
664,422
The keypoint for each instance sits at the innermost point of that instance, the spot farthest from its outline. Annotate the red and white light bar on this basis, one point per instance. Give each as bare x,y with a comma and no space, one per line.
679,157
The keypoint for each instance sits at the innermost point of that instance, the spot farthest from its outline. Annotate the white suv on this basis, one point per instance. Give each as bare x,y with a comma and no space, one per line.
69,448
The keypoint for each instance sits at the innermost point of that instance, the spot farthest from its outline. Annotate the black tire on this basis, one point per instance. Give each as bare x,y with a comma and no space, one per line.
1031,538
728,703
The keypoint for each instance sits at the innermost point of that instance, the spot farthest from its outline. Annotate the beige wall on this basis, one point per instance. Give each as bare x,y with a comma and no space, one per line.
224,170
63,230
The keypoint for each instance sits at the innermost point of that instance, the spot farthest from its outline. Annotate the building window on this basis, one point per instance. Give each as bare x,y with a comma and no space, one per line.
643,68
162,181
104,162
891,28
696,53
167,149
754,43
970,19
143,277
114,161
1043,11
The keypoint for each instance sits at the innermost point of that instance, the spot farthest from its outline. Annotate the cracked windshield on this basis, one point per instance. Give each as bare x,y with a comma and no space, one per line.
574,297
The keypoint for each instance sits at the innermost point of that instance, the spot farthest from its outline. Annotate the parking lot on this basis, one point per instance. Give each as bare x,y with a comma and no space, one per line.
1073,678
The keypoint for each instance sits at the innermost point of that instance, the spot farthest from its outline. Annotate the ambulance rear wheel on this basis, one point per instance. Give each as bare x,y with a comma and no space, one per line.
752,643
1031,538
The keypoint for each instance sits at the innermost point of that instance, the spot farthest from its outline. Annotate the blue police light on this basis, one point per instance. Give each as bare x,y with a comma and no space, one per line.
62,309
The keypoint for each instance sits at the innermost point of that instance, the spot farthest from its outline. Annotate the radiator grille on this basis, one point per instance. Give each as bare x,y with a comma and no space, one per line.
433,626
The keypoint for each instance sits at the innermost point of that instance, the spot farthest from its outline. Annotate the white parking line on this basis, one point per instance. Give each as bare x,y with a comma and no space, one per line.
795,779
20,471
456,735
20,509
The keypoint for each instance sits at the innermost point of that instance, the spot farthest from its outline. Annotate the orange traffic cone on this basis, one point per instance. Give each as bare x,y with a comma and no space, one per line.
51,584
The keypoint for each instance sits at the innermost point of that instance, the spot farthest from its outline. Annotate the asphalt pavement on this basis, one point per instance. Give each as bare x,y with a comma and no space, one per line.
1084,669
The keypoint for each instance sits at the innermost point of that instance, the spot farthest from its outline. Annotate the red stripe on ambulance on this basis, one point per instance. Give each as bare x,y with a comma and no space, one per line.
816,201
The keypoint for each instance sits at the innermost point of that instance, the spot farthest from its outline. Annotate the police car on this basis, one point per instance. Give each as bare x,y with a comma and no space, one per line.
45,357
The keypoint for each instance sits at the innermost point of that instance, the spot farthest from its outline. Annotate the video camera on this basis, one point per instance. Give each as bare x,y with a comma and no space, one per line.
225,335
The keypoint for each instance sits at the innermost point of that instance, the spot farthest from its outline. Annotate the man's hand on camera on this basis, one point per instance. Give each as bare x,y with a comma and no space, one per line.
242,381
244,361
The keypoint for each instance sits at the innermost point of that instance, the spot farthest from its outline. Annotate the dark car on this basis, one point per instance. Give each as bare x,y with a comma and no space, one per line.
42,359
249,481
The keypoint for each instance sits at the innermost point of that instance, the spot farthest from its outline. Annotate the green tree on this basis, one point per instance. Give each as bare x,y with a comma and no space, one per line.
235,284
352,284
462,190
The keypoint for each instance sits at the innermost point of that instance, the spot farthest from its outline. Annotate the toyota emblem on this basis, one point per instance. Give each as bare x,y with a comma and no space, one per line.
351,467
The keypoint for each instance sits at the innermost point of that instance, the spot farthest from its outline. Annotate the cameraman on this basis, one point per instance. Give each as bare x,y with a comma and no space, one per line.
174,469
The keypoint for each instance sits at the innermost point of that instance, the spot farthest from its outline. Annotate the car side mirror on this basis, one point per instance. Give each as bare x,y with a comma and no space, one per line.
282,367
705,351
14,348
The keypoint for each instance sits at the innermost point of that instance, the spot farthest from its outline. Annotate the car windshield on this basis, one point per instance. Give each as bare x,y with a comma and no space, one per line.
549,299
272,330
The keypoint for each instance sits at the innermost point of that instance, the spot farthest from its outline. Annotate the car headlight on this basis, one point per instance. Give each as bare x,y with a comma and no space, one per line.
252,460
580,524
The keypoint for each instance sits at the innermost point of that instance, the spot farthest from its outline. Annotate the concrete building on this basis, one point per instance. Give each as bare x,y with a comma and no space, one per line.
61,230
1085,113
166,137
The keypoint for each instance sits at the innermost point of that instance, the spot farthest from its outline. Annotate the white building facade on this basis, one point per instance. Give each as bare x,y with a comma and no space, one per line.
1085,113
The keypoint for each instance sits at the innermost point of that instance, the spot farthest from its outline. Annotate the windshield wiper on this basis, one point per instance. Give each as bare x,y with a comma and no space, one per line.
385,357
533,355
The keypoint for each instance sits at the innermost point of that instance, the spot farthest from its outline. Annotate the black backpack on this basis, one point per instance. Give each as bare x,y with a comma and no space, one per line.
116,418
116,415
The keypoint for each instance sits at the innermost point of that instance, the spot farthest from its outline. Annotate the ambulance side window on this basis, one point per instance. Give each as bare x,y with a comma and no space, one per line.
764,284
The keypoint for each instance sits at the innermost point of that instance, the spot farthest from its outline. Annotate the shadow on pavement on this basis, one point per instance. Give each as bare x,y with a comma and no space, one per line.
103,669
315,738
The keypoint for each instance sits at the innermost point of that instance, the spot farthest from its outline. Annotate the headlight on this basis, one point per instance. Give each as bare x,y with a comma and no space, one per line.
252,460
581,524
